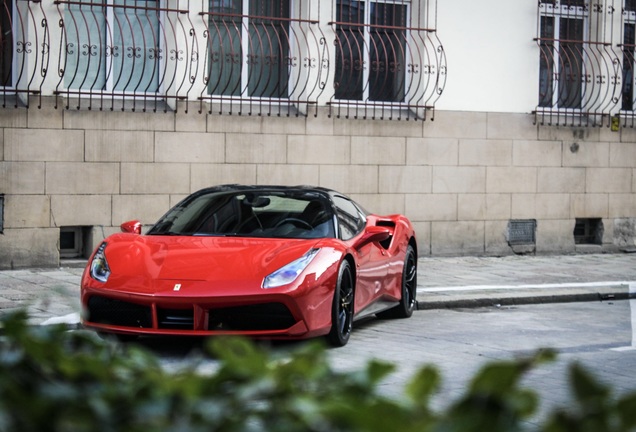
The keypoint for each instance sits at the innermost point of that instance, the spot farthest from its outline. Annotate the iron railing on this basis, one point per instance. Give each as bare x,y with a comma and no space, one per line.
385,67
580,72
125,54
263,64
398,72
24,51
160,55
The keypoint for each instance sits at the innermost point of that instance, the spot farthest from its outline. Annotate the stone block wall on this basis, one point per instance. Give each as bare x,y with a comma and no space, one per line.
460,178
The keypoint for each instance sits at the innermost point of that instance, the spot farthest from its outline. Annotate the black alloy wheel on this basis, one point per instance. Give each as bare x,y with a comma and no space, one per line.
409,288
342,307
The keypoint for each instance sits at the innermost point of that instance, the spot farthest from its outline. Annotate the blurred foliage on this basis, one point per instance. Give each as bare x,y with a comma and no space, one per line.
52,379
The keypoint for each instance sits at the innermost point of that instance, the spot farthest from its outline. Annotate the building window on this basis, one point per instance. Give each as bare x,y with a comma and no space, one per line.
588,231
1,214
249,48
371,50
562,33
6,43
629,42
112,46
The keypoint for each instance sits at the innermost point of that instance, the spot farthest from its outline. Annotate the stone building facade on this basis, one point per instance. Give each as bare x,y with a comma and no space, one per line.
489,178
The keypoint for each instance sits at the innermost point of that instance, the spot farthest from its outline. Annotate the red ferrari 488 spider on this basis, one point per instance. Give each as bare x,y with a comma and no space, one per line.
261,261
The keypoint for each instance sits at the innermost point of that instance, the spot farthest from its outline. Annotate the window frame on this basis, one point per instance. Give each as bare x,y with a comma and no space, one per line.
367,54
340,211
245,29
628,18
558,12
107,64
13,49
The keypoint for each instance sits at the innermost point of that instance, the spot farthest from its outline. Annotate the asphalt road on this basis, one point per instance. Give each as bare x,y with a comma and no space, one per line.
459,342
600,335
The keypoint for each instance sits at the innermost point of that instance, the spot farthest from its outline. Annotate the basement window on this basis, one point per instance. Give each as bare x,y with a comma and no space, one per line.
74,242
588,231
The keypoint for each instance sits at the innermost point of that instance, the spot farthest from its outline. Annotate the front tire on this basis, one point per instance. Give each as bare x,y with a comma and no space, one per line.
409,288
342,307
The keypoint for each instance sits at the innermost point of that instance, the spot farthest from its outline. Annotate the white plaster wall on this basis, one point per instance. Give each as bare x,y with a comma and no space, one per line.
493,61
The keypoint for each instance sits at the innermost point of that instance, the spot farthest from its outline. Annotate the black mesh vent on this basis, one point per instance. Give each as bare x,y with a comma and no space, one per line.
268,316
104,310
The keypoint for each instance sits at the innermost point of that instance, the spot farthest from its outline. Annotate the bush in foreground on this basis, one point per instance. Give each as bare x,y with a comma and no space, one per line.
55,380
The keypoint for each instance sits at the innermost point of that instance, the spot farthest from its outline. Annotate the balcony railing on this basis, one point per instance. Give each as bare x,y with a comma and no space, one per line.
124,54
160,55
24,51
580,72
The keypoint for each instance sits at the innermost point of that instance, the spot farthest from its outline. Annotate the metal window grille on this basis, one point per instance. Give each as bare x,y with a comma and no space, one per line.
628,45
386,67
263,58
579,82
24,54
136,51
241,57
522,231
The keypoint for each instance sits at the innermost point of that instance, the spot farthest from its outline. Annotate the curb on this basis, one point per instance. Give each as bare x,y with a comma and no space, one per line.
455,298
465,303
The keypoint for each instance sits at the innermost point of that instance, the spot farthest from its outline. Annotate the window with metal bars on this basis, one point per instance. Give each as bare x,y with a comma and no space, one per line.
6,43
249,48
579,69
243,56
112,50
113,46
561,62
264,58
371,50
628,44
23,48
389,60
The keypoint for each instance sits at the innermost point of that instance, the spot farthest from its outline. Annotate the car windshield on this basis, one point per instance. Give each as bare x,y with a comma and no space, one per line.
274,214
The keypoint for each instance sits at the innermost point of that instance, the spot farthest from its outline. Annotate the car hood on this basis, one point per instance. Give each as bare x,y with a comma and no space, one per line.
200,258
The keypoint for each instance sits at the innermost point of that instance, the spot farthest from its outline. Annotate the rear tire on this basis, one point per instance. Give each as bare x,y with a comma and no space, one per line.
342,307
409,288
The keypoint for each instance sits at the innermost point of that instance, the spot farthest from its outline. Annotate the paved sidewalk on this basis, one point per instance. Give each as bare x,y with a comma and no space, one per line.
52,295
489,281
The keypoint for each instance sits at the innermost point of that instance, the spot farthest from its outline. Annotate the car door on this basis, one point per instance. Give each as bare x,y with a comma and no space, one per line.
371,262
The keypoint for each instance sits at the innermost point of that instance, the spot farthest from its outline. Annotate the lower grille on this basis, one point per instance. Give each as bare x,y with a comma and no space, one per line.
104,310
267,316
175,319
258,317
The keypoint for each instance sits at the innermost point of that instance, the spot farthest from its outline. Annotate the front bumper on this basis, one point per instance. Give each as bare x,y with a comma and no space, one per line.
269,318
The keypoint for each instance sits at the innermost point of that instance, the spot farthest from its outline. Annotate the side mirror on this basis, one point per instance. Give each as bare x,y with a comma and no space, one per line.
374,234
132,227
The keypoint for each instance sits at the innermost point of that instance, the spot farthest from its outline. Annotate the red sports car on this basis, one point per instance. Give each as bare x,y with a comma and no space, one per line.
261,261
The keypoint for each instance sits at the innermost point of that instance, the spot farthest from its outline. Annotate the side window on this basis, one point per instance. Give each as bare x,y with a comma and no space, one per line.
350,220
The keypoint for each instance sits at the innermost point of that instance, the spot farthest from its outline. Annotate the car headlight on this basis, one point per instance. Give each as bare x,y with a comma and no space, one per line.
288,273
99,266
